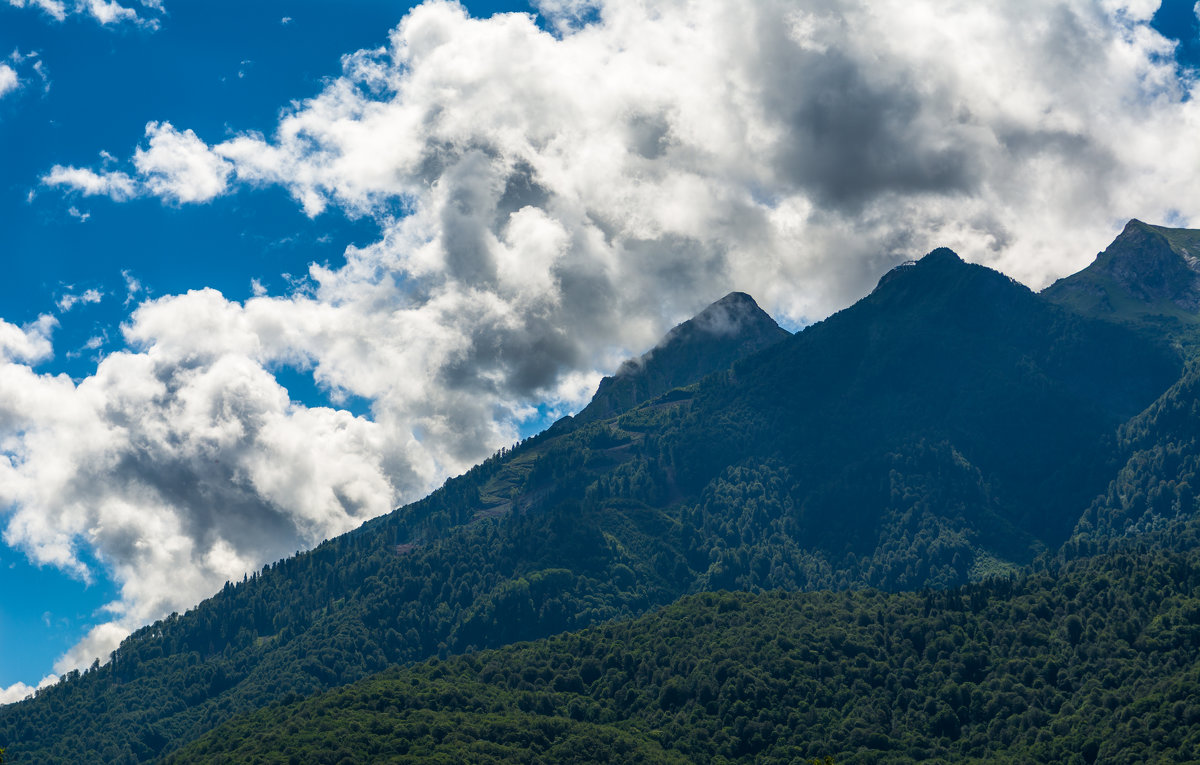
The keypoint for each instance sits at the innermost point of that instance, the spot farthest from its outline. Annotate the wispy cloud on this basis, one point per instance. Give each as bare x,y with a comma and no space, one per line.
70,300
117,186
103,11
549,203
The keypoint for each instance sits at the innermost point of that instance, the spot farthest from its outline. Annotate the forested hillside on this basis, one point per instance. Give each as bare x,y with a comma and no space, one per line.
950,426
1095,661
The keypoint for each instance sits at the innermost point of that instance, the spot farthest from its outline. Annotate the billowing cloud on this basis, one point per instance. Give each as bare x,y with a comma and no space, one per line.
29,344
180,465
102,11
551,202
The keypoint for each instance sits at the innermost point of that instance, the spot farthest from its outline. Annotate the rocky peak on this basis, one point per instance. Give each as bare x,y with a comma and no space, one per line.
712,340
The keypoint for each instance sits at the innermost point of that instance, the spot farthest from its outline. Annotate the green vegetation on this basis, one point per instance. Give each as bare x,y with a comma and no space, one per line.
950,427
1094,661
1152,496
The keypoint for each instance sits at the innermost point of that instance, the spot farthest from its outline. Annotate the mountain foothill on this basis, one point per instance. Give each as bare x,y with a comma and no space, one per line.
955,521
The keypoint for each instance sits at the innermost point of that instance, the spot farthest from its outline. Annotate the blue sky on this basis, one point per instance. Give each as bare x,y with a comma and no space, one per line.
498,211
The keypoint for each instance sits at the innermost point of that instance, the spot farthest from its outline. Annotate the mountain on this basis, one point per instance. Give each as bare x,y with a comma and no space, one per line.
1149,274
950,404
727,330
950,426
1093,661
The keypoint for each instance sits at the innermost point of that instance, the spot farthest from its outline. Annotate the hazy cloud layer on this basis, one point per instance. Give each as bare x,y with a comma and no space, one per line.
552,203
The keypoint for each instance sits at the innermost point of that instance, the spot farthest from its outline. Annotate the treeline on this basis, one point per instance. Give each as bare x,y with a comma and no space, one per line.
1092,661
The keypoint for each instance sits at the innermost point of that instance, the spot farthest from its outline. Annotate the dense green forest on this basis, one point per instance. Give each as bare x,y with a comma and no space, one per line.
1093,661
950,427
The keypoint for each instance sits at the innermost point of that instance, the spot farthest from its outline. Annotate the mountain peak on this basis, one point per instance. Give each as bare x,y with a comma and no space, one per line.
939,259
941,255
730,315
1147,270
713,339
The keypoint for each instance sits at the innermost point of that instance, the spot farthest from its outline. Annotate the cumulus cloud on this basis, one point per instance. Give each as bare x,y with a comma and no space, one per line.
550,202
102,11
174,165
29,344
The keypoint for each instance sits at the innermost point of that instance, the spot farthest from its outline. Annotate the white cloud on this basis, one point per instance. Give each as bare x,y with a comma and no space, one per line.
103,11
17,69
550,203
8,80
29,344
70,300
175,165
109,11
116,185
178,166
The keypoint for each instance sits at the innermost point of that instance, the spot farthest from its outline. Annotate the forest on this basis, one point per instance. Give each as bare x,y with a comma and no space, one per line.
1094,660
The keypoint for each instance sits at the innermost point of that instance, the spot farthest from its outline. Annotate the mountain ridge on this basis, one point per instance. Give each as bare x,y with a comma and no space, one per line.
949,426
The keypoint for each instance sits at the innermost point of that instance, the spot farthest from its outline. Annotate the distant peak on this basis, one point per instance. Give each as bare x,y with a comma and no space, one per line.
1147,269
941,255
735,298
724,317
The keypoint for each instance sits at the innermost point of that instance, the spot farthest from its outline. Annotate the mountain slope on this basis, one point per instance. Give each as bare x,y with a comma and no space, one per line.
1153,496
949,425
1148,275
727,330
1092,662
